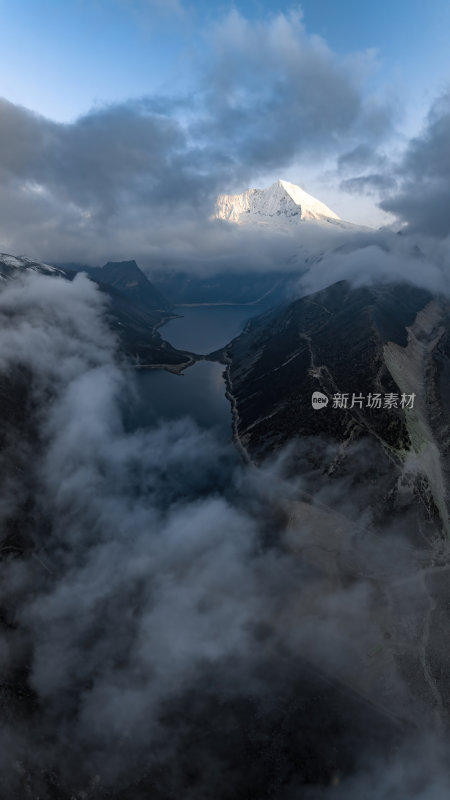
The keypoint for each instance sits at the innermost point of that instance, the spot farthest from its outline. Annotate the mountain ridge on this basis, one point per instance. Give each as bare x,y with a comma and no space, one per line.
134,316
127,277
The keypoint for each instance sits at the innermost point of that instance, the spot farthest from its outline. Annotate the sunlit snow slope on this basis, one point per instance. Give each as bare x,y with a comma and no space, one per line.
280,203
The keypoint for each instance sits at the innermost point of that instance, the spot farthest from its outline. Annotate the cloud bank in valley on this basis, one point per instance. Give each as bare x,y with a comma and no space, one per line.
153,591
378,257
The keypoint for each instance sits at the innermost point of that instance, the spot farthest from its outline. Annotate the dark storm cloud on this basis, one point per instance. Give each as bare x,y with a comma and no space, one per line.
94,161
360,157
264,94
423,200
368,184
374,166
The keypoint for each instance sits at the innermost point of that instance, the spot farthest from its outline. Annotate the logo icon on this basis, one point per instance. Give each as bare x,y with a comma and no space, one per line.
319,400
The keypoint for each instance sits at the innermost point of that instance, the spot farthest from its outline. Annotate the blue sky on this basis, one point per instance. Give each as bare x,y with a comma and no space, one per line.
327,94
60,58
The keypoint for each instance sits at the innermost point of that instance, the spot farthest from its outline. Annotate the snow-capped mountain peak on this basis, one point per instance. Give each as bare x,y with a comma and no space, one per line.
278,204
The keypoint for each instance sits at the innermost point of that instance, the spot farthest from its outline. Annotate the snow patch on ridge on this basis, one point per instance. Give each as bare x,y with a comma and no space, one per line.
12,267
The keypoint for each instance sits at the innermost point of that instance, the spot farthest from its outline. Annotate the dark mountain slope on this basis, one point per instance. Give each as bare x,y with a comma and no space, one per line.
331,341
387,340
128,278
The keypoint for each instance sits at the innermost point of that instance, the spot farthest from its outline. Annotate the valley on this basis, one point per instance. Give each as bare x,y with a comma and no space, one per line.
225,400
199,403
